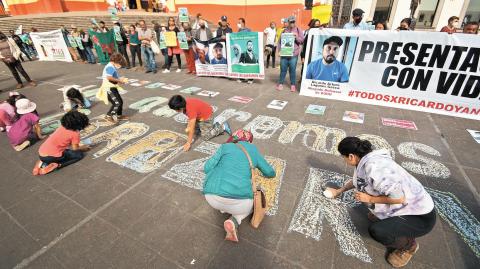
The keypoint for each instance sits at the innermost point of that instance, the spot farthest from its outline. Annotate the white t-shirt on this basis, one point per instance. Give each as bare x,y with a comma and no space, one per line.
271,33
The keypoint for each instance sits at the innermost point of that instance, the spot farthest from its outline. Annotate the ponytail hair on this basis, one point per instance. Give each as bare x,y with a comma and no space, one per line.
354,145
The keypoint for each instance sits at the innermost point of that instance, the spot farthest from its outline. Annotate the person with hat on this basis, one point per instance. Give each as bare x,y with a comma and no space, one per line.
223,30
328,68
227,186
289,63
357,24
26,129
7,111
10,55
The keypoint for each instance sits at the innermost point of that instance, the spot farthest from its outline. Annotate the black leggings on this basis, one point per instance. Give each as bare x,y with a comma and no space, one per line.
117,103
68,157
170,61
400,232
122,48
272,55
136,51
16,67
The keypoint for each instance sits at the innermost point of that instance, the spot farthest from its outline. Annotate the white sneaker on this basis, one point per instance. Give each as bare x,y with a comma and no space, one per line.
179,70
166,71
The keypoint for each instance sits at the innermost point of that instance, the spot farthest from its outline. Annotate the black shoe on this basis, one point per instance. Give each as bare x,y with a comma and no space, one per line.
148,71
155,71
128,67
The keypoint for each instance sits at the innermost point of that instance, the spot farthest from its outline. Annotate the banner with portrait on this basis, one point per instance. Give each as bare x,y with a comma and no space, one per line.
245,55
287,44
51,46
434,72
182,40
183,15
210,59
170,39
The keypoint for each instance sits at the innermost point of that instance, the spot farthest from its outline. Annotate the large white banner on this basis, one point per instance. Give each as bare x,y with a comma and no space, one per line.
424,71
51,46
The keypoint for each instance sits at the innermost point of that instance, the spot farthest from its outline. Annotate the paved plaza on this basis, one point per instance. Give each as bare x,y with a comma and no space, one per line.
135,200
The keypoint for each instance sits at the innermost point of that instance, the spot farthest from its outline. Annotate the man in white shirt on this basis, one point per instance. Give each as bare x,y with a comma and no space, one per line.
357,24
270,33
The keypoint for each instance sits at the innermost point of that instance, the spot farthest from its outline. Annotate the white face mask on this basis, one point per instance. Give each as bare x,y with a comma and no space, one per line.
456,25
239,25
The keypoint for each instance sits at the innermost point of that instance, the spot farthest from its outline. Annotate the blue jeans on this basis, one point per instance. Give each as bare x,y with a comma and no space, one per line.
89,53
68,157
290,64
149,58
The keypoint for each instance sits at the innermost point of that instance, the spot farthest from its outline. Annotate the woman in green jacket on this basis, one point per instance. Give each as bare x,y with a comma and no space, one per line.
228,185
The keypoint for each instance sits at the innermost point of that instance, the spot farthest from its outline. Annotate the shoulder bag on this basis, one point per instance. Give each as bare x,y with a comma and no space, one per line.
259,199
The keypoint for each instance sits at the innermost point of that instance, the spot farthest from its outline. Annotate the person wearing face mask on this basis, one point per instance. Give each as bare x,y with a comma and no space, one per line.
241,26
405,25
328,68
452,25
270,34
203,33
223,30
357,24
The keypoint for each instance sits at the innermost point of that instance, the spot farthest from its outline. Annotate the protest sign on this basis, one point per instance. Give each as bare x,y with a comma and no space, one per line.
404,124
245,57
315,109
170,39
434,73
183,14
210,59
208,93
51,46
104,44
277,104
182,40
162,44
287,44
352,116
322,13
240,99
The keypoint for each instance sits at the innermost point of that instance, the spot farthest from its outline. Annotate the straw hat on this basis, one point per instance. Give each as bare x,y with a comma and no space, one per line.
25,106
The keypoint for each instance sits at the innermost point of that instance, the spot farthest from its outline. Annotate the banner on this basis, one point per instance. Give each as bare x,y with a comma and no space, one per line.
104,44
210,59
322,13
430,72
182,40
287,44
245,55
51,46
170,39
183,14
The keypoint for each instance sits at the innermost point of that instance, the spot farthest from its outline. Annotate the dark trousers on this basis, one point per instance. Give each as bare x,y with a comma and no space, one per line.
170,61
24,50
400,232
136,51
82,54
122,48
68,157
271,55
16,67
117,103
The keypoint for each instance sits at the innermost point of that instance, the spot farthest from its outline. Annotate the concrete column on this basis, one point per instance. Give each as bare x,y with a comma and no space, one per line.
447,9
400,10
366,5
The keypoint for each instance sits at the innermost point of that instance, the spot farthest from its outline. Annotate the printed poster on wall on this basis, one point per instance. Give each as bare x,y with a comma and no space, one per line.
51,46
435,73
170,39
182,40
183,14
245,55
287,44
210,59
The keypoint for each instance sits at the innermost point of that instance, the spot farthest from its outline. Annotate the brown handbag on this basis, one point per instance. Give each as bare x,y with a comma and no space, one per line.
259,199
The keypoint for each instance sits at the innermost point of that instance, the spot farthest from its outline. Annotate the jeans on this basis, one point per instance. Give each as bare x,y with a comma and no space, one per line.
400,232
68,157
90,55
122,48
135,51
290,64
117,103
82,54
271,55
16,67
149,58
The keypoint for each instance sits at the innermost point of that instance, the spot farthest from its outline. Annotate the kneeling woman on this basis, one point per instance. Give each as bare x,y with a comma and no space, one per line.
400,208
62,148
228,185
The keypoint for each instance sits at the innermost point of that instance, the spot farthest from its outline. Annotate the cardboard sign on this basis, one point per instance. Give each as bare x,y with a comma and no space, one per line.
170,39
405,124
277,104
352,116
241,99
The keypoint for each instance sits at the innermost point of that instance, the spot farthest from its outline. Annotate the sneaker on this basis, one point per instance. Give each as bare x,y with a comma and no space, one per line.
123,117
166,71
22,146
293,88
36,168
226,128
49,168
154,71
179,70
110,119
148,71
250,81
239,80
19,86
279,87
399,258
231,230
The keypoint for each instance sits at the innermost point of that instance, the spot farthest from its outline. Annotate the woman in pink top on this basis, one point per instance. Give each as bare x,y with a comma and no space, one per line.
25,130
62,148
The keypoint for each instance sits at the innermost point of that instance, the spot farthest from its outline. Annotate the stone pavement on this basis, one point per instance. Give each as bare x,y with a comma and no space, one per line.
134,203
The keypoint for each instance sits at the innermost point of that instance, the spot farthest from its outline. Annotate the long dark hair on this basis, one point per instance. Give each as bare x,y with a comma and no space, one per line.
74,95
354,145
3,36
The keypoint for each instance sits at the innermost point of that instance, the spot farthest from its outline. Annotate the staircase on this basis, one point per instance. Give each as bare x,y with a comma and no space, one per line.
49,22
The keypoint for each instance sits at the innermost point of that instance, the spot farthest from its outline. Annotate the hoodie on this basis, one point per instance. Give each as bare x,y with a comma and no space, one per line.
378,175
